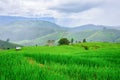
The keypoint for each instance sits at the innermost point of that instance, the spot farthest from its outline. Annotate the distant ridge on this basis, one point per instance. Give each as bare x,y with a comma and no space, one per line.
7,45
9,19
27,29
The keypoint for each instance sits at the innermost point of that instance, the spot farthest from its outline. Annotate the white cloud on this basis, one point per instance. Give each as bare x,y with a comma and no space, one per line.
66,12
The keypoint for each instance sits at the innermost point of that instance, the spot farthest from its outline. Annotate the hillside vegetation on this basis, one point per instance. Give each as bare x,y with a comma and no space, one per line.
101,61
7,45
34,31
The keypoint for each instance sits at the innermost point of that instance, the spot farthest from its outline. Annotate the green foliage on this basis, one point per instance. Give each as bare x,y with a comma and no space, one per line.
40,31
72,40
16,67
63,41
107,35
73,62
85,47
84,40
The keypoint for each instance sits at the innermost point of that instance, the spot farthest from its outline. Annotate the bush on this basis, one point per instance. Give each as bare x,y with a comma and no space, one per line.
63,41
85,47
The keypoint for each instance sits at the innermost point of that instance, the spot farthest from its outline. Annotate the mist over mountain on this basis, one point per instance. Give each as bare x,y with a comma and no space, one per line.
4,20
27,29
31,31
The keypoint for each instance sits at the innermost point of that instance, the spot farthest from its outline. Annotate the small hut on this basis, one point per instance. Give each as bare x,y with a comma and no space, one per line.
18,48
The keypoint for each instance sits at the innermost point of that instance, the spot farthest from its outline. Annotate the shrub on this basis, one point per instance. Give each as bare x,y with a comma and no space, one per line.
85,47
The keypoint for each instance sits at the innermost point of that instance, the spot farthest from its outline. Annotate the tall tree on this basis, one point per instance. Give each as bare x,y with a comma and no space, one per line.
72,40
84,40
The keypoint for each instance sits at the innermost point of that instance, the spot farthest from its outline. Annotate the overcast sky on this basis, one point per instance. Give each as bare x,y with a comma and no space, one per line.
66,12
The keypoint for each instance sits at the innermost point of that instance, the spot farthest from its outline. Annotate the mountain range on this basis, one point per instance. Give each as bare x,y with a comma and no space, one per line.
31,31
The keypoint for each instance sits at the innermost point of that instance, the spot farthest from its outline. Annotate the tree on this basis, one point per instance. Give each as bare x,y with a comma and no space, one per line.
72,40
63,41
84,40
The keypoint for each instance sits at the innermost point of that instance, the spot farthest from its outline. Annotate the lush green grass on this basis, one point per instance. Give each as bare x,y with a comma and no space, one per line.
100,62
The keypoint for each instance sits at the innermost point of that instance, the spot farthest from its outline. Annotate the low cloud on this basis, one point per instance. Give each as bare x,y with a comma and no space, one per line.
74,7
66,12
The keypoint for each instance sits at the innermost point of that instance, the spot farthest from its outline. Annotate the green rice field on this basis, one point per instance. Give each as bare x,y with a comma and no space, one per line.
100,61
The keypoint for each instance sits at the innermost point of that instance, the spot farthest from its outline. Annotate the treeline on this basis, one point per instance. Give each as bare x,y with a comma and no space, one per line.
64,41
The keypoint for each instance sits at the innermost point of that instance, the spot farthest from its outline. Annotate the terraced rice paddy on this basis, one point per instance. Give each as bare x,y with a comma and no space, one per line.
101,61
